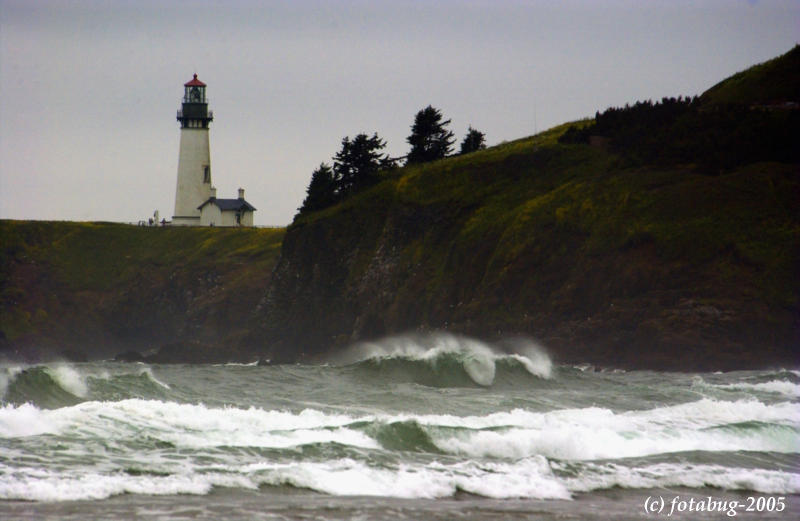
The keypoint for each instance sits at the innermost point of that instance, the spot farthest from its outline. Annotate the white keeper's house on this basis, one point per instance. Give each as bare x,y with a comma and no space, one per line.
196,202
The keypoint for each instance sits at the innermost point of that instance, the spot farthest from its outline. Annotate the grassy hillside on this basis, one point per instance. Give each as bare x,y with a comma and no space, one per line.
100,287
603,253
619,253
558,242
774,81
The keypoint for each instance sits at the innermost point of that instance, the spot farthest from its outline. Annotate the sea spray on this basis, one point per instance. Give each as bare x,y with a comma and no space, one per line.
580,434
7,375
781,387
529,353
373,428
44,386
436,359
592,476
69,379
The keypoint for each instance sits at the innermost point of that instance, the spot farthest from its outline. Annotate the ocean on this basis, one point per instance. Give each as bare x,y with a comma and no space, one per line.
413,427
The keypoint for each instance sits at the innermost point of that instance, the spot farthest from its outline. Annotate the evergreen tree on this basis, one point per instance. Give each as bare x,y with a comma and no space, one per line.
321,191
357,164
429,138
474,140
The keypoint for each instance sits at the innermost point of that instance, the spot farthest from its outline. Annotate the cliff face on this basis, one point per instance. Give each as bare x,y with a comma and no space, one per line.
683,260
95,289
662,268
596,251
645,267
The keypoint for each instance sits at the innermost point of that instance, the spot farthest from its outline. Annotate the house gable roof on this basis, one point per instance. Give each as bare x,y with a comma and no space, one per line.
228,205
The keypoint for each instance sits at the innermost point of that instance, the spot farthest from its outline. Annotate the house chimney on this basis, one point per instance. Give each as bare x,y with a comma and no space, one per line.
213,193
241,193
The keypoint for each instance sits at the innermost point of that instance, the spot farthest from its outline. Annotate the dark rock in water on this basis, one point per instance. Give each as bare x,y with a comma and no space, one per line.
265,361
72,355
129,356
190,352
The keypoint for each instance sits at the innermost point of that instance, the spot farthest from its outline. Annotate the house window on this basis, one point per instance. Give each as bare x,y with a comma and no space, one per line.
206,174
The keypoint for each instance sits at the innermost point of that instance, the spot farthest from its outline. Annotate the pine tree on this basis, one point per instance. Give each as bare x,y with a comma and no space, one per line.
429,138
474,140
357,164
321,191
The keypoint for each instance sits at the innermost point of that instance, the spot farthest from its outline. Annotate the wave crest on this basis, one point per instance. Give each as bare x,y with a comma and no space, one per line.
445,360
43,386
515,453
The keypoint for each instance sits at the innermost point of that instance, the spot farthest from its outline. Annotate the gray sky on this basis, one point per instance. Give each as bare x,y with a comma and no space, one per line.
89,89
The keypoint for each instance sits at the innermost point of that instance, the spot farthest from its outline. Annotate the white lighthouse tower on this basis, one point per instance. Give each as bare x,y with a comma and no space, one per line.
194,161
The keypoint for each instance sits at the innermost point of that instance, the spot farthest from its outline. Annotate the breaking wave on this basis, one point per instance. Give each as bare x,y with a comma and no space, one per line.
774,386
62,385
44,386
781,387
91,431
516,453
443,360
533,478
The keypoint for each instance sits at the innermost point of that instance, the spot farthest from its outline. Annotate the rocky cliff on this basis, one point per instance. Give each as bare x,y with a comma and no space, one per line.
610,252
95,289
662,268
606,253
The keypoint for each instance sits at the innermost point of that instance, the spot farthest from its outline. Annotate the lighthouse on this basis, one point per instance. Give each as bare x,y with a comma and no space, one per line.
196,202
194,159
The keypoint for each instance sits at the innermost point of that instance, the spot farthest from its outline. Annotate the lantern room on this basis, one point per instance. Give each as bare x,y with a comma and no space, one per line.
194,91
194,111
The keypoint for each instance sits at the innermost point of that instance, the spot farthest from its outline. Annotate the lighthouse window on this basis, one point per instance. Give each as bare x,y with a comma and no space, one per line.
206,174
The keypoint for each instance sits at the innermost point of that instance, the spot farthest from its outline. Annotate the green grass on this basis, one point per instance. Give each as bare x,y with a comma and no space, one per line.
49,269
776,80
527,235
534,225
101,255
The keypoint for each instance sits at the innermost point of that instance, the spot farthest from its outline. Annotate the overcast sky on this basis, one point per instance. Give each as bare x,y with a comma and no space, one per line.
89,89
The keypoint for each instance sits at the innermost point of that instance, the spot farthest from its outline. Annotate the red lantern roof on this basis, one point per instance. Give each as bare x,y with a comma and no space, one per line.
194,83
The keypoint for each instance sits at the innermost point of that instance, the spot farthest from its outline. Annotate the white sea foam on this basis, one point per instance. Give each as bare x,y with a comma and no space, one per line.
144,371
583,442
479,359
531,355
526,478
532,477
98,449
25,420
536,365
149,374
775,386
592,433
571,434
68,379
31,485
529,478
506,454
7,374
699,414
608,475
185,425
